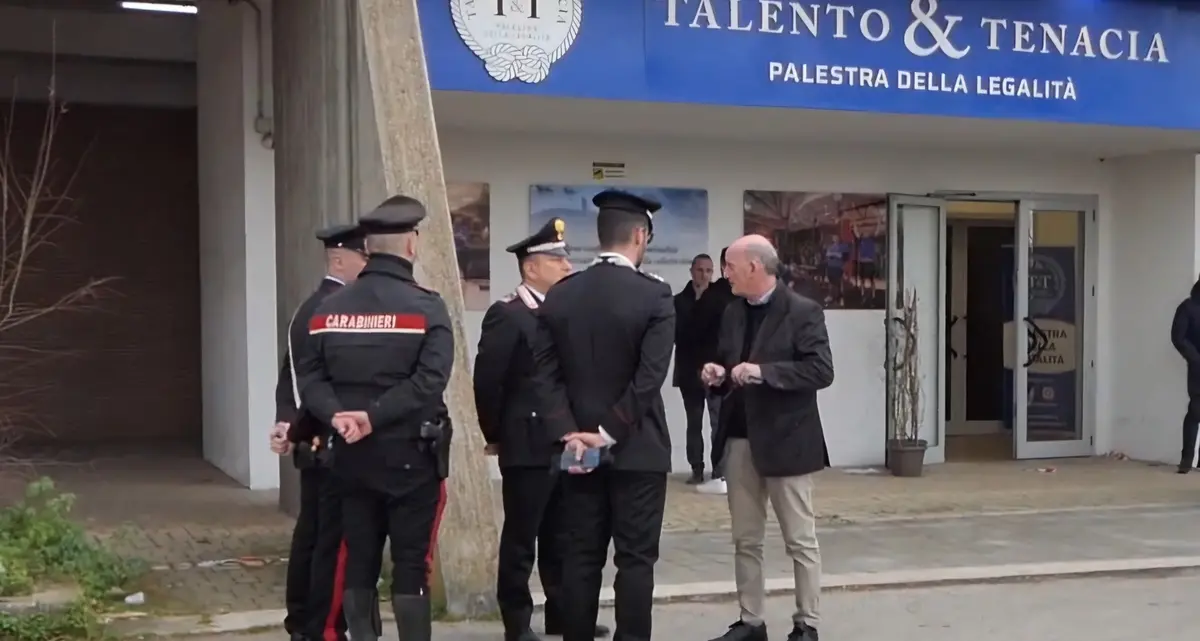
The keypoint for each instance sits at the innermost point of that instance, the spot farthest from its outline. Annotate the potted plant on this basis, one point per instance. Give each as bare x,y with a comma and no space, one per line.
905,447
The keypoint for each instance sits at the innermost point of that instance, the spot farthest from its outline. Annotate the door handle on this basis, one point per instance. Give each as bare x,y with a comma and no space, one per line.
1037,341
949,336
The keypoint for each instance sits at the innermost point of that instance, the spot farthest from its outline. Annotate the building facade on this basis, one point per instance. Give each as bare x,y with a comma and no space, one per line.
1027,171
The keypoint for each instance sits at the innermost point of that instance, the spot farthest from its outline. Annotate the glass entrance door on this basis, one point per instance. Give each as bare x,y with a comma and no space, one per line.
916,324
1044,339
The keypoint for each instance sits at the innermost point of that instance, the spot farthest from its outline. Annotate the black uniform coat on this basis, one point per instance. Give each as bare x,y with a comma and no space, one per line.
602,352
792,350
287,393
505,396
384,345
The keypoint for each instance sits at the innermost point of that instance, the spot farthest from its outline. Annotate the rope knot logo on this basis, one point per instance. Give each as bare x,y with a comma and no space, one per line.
518,39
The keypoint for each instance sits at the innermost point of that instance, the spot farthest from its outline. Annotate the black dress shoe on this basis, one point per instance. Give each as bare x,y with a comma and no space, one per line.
1183,470
742,631
696,478
803,632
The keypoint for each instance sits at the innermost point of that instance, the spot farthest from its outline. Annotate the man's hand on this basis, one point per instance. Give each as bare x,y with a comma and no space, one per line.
579,442
352,426
279,442
346,427
492,450
712,374
746,374
362,424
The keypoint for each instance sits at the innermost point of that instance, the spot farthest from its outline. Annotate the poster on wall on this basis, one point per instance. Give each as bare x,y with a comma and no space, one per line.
470,215
1052,343
680,227
832,246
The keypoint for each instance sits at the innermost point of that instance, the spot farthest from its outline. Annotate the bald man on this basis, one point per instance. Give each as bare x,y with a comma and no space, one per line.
772,358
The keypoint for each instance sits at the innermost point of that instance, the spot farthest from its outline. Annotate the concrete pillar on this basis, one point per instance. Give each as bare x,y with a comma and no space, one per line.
237,264
1153,254
312,83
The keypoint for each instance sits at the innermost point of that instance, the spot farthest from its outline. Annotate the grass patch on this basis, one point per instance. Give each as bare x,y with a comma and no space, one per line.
40,547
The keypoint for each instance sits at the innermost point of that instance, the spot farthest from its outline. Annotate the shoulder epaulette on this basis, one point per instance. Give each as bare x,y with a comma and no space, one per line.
508,298
650,275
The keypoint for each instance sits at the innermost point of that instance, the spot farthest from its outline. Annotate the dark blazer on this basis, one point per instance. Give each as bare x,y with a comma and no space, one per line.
687,341
602,351
705,326
504,392
792,350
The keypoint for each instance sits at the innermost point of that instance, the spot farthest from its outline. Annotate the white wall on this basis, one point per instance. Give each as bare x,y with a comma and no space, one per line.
237,249
853,409
1154,261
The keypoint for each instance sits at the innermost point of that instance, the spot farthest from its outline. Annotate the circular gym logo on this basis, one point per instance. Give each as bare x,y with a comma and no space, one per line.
518,39
1047,285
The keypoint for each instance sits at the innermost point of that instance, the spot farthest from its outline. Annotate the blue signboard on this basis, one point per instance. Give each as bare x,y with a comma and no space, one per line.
1115,62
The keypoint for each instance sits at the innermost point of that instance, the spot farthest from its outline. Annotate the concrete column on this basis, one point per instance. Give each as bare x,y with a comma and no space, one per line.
1153,245
237,262
313,153
367,168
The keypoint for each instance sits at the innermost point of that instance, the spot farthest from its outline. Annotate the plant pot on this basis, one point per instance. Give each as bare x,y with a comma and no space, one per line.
906,458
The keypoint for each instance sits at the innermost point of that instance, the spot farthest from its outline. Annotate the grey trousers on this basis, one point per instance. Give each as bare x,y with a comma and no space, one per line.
792,499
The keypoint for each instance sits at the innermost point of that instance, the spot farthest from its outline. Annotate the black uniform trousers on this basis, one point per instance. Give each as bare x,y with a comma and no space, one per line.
1191,425
408,519
531,529
626,508
316,562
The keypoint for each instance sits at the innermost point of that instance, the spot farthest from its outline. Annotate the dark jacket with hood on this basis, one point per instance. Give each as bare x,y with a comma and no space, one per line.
1185,335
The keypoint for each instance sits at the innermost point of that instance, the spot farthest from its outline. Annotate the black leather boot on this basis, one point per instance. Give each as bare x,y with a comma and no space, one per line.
361,609
413,620
516,625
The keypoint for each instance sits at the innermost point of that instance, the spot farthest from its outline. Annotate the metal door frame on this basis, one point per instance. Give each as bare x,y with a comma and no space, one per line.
936,453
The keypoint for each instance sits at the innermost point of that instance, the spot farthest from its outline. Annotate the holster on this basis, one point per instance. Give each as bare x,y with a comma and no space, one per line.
436,434
306,457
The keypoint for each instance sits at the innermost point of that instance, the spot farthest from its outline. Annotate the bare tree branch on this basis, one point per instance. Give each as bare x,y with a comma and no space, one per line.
35,206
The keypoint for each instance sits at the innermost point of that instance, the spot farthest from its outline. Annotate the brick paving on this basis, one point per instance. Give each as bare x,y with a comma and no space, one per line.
169,508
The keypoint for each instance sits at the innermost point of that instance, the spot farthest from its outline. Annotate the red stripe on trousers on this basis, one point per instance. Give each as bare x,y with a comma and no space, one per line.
433,534
335,602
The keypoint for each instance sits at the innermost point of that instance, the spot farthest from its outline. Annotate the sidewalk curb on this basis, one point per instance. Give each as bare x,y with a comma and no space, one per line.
236,622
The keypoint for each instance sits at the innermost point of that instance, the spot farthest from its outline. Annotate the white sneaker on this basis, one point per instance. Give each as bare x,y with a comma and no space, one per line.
713,486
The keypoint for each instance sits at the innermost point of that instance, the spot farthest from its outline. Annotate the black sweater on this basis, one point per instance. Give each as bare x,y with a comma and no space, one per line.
737,414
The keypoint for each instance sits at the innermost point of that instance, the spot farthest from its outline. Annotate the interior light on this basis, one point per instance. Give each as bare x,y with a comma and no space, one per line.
162,7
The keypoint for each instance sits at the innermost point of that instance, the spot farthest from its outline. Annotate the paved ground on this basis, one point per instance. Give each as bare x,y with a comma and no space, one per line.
1097,609
694,557
171,509
956,542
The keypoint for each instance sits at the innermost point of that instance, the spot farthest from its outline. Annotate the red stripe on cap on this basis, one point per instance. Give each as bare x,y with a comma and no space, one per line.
367,323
